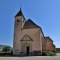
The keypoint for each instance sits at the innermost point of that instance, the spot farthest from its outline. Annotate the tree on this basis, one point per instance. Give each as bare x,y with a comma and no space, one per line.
6,49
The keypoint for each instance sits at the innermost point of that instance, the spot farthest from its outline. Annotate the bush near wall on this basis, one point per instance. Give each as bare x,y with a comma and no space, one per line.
48,53
51,53
44,53
4,53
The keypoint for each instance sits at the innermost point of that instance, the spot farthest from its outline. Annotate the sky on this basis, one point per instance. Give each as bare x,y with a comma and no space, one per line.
45,13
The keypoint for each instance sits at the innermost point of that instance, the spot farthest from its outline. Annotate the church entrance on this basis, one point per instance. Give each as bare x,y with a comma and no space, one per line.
26,45
27,50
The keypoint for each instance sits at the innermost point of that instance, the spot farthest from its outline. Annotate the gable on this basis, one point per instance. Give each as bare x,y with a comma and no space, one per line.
26,38
30,24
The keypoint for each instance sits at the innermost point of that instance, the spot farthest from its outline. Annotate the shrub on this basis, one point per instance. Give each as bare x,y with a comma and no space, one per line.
48,53
3,54
8,53
6,49
44,53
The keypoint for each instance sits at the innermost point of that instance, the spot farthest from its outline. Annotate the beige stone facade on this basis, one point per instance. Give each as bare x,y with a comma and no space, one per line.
28,37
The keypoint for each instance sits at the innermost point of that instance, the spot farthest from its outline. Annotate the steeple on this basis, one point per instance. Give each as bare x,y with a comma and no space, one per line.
20,19
20,13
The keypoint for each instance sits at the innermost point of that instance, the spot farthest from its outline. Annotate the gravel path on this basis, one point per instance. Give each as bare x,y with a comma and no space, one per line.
58,54
32,58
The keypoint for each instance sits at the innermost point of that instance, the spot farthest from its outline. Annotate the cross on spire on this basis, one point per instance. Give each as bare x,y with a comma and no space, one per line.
20,6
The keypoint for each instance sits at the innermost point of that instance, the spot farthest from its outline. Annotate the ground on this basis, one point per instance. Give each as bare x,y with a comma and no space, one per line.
32,58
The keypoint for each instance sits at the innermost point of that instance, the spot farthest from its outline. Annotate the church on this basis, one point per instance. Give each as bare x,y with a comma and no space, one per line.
29,38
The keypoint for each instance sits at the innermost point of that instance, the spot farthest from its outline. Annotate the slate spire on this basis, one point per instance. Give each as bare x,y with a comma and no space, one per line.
20,13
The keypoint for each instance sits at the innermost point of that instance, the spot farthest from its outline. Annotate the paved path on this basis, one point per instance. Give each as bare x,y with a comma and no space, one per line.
32,58
58,54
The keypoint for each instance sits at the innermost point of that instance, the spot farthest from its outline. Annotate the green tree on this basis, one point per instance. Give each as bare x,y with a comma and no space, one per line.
6,49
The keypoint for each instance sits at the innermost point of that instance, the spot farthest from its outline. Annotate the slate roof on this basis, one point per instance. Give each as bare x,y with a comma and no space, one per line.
48,39
20,13
30,24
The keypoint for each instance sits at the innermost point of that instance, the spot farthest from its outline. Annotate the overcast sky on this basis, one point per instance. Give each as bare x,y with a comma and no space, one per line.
45,13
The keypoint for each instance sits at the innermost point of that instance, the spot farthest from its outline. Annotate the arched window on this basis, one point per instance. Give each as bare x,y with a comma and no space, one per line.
18,20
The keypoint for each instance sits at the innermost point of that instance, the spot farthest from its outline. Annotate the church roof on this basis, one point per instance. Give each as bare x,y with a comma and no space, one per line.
30,24
48,39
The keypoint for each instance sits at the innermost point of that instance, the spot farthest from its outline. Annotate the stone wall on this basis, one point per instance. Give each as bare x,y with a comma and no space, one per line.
50,46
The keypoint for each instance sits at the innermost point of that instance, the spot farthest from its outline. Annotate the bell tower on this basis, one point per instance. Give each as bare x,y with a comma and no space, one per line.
18,25
20,19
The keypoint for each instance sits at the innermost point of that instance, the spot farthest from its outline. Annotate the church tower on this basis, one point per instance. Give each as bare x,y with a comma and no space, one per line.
20,19
18,25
